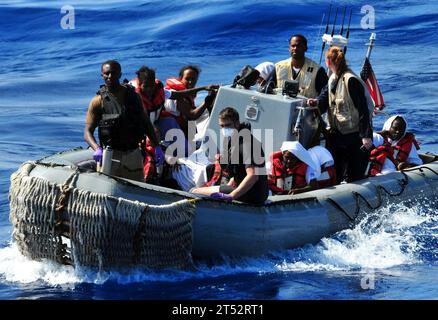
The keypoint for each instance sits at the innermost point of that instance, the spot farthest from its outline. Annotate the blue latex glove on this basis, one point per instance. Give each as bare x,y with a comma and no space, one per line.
97,155
159,156
221,196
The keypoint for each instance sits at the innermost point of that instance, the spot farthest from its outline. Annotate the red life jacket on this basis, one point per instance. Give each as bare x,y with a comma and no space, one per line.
177,85
404,147
331,181
157,100
378,157
280,172
149,168
217,175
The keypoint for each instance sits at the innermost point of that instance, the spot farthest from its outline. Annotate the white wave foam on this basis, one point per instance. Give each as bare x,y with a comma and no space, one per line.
14,267
382,240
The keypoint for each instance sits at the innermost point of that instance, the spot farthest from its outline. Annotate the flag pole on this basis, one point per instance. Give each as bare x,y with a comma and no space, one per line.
370,45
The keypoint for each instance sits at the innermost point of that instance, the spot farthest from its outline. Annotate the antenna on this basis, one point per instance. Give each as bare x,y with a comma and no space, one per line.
326,30
348,30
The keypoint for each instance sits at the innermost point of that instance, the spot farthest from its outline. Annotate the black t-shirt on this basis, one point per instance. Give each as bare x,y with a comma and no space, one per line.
248,152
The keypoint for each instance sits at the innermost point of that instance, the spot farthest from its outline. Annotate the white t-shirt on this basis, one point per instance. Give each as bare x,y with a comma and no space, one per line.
296,70
310,174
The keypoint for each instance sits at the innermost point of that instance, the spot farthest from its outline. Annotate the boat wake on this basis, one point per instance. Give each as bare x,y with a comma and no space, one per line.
394,236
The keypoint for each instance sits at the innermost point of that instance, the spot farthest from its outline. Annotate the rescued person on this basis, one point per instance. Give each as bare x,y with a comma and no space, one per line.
265,81
403,142
293,170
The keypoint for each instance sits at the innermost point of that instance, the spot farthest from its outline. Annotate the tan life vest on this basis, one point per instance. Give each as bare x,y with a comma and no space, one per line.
342,114
306,77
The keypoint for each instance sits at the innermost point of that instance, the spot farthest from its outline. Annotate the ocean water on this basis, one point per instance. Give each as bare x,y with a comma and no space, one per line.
48,75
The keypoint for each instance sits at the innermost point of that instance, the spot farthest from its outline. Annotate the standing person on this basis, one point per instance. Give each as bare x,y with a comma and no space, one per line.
344,99
310,75
243,161
122,123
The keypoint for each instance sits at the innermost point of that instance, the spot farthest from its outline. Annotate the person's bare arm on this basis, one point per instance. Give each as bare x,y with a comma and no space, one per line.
187,93
89,135
246,184
94,114
150,130
313,184
185,107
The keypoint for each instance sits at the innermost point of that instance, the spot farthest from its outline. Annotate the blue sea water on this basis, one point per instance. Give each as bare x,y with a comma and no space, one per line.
48,75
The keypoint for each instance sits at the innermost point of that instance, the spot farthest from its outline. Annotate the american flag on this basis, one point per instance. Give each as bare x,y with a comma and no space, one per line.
367,75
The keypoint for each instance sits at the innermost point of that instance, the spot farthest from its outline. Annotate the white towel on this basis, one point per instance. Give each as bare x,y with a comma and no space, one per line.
266,69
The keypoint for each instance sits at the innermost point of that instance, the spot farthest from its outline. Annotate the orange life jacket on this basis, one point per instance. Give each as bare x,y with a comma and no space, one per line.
404,147
378,157
149,167
177,85
157,100
217,175
280,174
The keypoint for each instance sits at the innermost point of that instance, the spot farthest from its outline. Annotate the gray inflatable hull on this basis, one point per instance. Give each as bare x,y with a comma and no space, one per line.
236,229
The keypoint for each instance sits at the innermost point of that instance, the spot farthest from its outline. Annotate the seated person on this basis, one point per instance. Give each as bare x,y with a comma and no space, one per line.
403,142
240,160
324,159
265,80
293,170
381,157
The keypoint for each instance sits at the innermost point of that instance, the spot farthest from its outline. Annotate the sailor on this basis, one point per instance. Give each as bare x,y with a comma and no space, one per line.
293,170
404,144
348,111
311,76
265,81
322,157
242,160
122,123
177,113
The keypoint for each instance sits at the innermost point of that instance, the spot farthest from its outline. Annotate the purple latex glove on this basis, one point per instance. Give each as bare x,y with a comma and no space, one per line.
221,196
97,155
159,156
